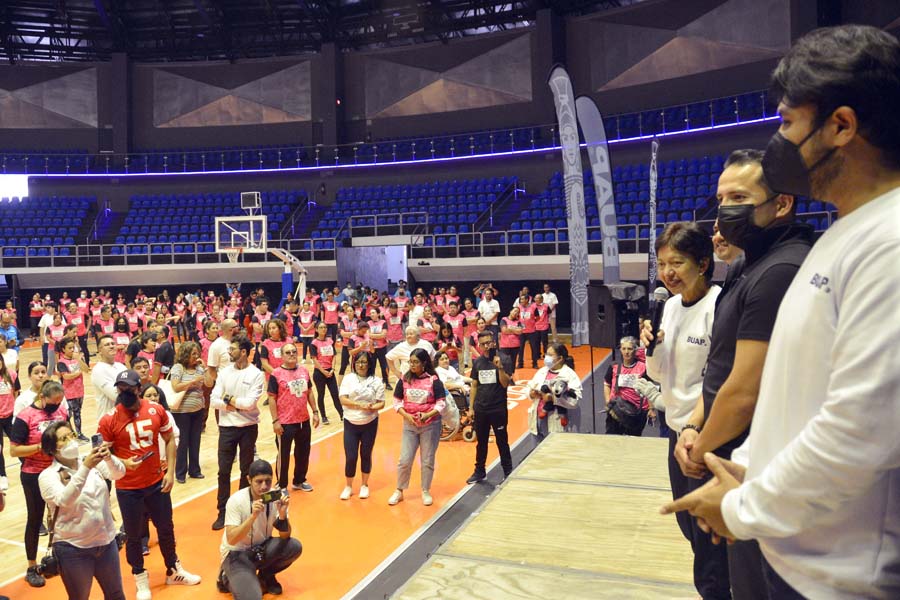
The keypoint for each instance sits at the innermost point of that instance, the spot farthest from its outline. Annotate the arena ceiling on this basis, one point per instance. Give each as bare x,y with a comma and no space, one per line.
182,30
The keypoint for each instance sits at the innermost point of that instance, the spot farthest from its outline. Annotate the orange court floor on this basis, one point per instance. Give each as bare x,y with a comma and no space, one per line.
343,541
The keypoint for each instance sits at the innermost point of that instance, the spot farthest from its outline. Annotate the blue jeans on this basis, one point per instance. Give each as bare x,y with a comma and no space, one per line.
428,437
79,566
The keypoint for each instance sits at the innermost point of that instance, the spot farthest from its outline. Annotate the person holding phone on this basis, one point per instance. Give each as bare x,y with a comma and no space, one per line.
84,531
133,430
251,556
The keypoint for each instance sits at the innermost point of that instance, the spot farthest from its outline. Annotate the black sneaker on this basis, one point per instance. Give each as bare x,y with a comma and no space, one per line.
325,421
42,530
270,585
33,578
222,583
219,523
388,386
477,476
198,476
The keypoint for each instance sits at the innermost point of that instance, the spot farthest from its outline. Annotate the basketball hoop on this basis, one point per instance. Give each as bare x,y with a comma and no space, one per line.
233,254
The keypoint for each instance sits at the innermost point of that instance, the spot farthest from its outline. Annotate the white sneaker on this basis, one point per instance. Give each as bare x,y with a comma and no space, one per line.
348,491
363,492
396,497
427,500
142,583
4,484
181,577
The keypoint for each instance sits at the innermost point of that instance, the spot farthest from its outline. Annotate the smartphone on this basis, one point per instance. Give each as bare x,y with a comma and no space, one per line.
491,354
96,440
272,496
144,457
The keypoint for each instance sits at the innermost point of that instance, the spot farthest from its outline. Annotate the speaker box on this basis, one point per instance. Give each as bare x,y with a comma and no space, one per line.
614,312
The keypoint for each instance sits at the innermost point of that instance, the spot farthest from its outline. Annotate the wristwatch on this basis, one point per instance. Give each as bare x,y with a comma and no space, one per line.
691,426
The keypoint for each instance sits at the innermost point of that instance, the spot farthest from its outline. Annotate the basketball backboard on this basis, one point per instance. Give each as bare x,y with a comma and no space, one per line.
247,233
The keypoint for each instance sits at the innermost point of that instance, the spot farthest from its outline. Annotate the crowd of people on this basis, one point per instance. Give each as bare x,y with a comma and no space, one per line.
160,364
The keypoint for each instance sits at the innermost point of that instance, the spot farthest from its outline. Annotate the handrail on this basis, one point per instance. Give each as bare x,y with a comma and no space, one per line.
409,223
103,211
623,126
298,211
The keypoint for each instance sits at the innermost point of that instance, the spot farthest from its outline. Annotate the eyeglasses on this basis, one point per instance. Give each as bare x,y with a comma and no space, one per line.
289,352
67,438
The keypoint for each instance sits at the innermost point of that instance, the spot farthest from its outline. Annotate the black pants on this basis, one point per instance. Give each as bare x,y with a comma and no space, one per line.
34,505
331,383
776,587
359,440
543,340
75,405
239,572
307,342
45,354
710,560
613,427
230,440
508,359
82,342
133,504
5,427
484,422
345,357
187,458
533,340
745,570
381,357
331,331
300,435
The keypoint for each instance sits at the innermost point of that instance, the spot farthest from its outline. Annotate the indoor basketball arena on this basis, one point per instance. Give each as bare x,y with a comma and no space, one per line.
335,299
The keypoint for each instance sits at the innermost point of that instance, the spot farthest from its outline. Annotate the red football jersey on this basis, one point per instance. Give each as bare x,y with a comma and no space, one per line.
133,435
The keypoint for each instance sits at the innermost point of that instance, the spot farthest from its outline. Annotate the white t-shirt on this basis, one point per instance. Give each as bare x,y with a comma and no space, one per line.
218,356
488,309
822,488
403,350
678,362
237,510
103,376
369,390
246,385
551,300
11,360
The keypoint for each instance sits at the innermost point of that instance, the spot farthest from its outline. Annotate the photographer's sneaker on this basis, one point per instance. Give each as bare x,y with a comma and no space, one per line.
178,576
142,584
33,578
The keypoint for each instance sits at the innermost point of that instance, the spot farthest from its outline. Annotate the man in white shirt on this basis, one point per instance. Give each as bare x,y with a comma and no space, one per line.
45,322
489,309
239,387
817,482
219,351
398,357
103,376
552,301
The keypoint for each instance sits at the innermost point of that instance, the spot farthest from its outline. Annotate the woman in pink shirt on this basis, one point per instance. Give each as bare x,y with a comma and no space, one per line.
526,315
419,397
510,339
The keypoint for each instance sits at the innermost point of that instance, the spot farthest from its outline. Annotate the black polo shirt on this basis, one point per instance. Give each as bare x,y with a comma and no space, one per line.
746,310
490,396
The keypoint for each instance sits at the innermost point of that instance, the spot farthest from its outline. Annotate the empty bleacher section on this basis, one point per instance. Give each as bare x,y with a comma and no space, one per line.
43,226
183,223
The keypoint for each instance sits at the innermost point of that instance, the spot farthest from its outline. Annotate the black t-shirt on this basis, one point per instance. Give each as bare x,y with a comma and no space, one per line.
747,310
165,356
490,396
134,346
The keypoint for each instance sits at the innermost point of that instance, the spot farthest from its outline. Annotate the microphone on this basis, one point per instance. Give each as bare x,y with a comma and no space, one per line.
657,304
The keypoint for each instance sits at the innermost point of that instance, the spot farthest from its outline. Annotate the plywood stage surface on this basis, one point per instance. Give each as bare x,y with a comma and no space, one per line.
578,519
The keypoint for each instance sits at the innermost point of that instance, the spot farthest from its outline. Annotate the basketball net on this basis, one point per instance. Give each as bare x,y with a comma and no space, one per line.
233,254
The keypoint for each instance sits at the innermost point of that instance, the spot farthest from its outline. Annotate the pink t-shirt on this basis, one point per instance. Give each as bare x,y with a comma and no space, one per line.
323,351
420,395
291,390
510,340
36,420
72,388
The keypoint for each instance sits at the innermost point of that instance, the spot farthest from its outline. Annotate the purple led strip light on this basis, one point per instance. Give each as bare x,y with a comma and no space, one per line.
415,162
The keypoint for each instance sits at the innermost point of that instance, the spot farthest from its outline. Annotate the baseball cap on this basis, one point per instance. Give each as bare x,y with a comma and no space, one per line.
129,378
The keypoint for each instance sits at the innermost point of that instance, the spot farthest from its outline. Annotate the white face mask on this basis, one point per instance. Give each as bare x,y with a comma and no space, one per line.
70,451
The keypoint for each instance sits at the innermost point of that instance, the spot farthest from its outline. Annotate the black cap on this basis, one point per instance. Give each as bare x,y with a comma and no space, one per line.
129,378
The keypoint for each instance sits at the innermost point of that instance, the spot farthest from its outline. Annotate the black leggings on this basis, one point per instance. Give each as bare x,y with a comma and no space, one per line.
75,405
82,342
359,440
345,357
307,342
34,504
5,427
331,382
381,357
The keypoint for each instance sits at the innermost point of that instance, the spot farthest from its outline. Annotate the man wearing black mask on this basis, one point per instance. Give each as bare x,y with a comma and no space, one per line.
761,221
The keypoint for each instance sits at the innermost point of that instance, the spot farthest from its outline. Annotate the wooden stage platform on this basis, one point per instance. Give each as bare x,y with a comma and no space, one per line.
578,519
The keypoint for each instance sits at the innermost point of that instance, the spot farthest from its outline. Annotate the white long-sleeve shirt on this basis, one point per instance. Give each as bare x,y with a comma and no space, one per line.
678,362
247,385
103,376
85,519
822,488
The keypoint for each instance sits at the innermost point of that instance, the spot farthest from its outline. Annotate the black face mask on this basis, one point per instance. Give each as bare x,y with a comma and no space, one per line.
783,166
50,408
122,327
736,223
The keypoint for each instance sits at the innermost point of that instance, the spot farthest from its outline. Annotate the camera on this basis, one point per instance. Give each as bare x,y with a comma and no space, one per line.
257,554
49,566
272,496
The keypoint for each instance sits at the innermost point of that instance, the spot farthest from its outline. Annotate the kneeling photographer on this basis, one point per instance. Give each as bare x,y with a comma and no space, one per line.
250,555
83,533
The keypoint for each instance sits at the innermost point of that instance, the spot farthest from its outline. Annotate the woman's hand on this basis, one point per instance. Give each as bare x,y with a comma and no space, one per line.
647,334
